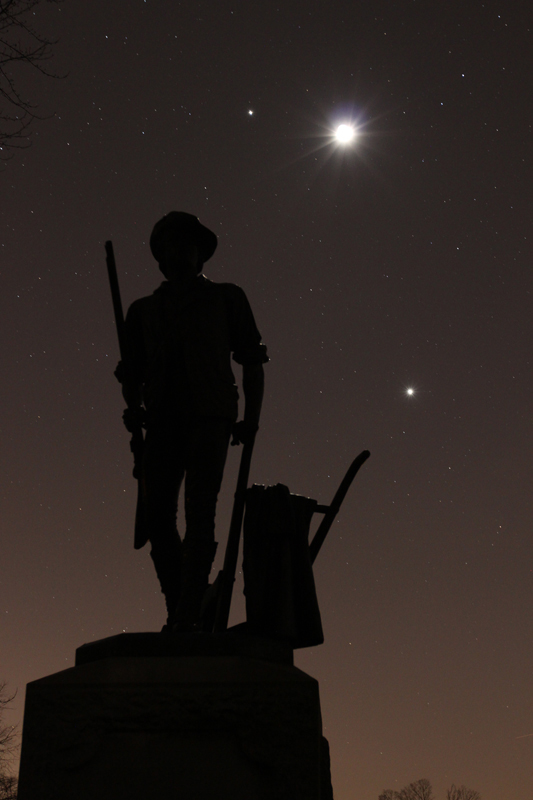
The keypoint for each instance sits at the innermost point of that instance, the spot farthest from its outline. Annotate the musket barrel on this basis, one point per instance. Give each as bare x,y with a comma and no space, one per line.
115,296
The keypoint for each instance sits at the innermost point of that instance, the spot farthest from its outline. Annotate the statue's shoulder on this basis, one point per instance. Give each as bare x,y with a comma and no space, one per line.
142,303
229,291
146,305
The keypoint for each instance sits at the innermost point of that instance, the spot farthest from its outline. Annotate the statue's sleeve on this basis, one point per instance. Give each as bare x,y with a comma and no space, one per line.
245,339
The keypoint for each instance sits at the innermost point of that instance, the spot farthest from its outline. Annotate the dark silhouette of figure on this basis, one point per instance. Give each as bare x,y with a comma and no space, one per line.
180,385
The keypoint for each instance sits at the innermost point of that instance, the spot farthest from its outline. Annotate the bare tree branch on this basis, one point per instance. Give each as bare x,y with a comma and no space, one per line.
422,790
8,746
462,793
419,790
8,787
8,733
20,43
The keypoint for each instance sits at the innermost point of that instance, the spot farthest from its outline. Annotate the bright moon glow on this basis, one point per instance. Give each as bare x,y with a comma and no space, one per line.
410,392
344,133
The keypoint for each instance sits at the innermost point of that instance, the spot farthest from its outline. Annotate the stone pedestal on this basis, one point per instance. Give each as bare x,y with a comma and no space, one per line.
173,718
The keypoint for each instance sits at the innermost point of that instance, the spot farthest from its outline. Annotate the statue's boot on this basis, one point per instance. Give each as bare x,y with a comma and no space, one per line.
167,558
197,559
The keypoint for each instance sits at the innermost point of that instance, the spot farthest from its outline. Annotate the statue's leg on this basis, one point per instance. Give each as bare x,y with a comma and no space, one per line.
164,471
208,447
198,557
167,562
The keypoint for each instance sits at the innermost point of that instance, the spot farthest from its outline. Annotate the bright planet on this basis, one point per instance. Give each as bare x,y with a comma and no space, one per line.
344,133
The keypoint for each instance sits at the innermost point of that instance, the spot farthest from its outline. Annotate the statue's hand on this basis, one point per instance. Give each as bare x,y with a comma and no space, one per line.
244,432
134,418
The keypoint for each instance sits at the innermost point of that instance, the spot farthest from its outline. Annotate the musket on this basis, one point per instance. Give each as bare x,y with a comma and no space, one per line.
137,438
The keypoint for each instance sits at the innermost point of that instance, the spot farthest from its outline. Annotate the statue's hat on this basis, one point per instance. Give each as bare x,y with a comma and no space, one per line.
186,226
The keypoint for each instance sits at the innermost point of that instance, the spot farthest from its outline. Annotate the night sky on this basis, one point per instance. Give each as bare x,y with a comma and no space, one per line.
401,260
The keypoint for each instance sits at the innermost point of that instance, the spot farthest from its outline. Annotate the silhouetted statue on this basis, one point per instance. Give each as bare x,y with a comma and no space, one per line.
179,384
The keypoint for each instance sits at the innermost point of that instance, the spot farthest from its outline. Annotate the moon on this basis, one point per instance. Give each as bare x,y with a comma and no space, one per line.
344,134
